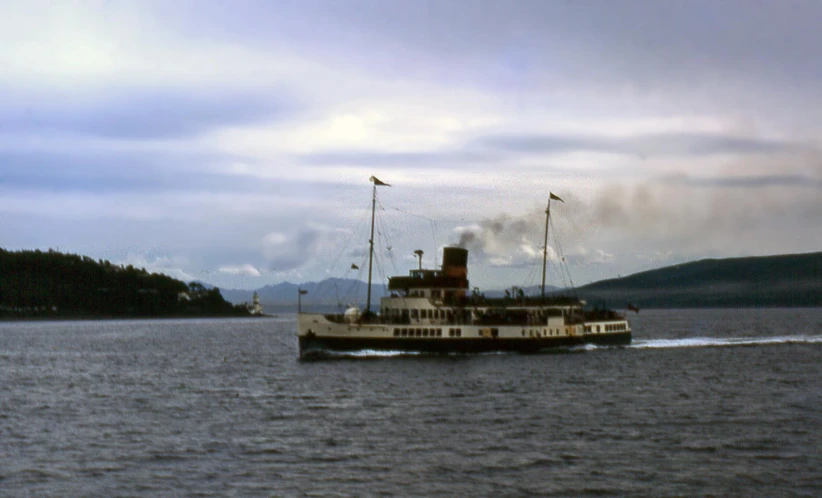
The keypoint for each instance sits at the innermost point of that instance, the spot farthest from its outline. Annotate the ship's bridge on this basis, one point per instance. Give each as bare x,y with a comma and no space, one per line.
426,279
451,280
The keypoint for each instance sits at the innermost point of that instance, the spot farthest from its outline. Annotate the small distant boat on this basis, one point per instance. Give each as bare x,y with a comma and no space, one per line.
432,310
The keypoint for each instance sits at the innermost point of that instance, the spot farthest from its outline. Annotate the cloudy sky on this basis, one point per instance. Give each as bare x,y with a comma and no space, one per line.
232,142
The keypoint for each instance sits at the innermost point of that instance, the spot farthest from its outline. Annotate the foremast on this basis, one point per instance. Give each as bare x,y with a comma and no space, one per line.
377,182
545,244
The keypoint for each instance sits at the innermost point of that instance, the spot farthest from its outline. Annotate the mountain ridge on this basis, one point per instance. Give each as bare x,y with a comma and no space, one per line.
784,280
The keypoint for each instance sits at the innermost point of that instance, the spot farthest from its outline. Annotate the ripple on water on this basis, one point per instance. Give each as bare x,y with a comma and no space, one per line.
220,407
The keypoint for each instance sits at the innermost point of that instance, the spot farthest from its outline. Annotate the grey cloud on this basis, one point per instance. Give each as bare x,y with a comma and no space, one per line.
669,144
436,159
290,251
139,171
762,181
490,150
138,113
688,44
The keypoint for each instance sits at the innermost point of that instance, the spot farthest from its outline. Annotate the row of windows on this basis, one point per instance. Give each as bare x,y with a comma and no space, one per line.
426,332
430,314
615,327
417,332
538,333
608,327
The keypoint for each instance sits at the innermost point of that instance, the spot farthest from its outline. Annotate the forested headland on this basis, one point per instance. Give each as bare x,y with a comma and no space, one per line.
785,280
50,284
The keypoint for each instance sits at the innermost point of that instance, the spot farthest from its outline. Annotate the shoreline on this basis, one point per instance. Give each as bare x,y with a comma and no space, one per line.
96,318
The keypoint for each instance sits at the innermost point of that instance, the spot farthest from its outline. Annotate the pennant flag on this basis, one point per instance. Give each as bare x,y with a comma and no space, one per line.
633,308
303,291
354,267
556,198
378,182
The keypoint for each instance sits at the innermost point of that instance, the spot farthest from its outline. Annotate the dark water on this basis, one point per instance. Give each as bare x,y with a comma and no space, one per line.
722,402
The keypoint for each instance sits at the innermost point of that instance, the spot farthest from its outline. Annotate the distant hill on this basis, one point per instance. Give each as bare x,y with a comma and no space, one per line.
330,292
791,280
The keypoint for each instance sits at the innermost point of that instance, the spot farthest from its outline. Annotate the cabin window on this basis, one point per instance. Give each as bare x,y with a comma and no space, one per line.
439,332
415,313
436,293
396,332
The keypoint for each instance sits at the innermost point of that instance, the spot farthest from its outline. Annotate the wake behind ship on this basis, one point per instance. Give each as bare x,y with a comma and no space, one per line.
431,310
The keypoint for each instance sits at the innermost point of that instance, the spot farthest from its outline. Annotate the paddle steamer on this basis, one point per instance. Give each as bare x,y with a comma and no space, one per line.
434,310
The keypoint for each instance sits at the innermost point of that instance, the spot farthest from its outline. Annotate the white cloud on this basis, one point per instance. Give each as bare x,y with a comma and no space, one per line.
246,270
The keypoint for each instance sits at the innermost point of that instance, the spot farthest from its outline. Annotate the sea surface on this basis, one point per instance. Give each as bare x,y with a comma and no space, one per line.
704,403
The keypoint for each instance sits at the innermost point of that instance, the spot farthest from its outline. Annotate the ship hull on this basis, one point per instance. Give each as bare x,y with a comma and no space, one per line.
313,344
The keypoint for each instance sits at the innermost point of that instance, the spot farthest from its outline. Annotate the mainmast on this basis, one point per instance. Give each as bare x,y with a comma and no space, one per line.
545,244
376,181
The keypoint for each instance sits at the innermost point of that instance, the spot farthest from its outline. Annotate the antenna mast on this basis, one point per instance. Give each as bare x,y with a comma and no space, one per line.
545,246
376,181
371,249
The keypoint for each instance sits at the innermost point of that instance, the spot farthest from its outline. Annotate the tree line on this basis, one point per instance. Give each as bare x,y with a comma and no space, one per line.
53,284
